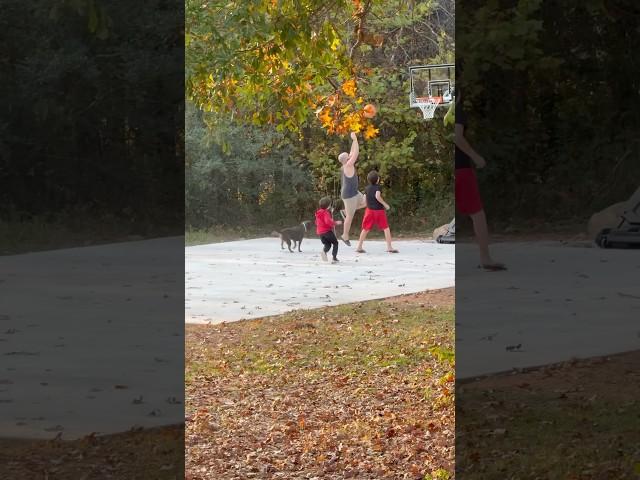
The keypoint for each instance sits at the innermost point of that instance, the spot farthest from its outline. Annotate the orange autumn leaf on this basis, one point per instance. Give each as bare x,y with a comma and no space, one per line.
342,128
349,87
358,8
370,132
353,122
325,117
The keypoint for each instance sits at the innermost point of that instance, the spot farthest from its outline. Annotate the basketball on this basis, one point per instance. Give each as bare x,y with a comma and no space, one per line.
369,110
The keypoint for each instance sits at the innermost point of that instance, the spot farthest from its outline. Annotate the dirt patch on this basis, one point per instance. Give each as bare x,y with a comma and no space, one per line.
151,453
443,297
574,420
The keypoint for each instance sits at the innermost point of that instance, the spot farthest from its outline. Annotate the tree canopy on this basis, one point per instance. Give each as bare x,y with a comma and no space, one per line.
275,61
95,105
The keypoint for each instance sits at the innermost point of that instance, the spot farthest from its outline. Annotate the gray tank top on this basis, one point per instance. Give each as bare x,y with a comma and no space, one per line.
349,185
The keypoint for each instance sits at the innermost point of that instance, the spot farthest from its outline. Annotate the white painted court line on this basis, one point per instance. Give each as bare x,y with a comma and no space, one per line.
254,278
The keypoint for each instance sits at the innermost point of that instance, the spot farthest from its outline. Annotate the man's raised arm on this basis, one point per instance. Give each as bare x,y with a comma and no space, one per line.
355,150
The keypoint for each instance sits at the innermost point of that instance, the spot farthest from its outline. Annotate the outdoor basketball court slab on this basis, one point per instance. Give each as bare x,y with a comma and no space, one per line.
255,278
556,301
61,311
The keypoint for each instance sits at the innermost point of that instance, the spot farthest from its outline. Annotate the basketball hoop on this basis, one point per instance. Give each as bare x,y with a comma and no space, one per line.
428,106
430,87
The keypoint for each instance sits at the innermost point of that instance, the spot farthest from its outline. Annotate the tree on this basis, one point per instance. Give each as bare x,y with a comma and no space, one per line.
251,80
553,96
275,61
104,99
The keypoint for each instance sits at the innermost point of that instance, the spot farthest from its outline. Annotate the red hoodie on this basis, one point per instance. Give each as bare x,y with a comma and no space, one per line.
324,222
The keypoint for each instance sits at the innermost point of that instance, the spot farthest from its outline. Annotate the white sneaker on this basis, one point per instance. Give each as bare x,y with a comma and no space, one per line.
323,254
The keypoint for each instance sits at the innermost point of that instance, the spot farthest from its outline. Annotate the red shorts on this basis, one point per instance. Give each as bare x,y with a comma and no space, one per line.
468,199
374,218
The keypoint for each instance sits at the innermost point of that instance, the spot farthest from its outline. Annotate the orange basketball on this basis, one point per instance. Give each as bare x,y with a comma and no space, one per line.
369,110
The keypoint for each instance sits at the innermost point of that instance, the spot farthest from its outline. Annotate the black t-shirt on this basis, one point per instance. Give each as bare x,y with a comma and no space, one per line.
462,159
372,201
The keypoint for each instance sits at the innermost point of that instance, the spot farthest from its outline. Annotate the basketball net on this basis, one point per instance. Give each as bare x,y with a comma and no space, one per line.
428,106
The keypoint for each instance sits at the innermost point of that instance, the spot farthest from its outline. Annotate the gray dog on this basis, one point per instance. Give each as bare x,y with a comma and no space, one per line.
293,234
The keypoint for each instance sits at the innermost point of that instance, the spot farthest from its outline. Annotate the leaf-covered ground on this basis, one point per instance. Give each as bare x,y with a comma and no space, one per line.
137,455
356,391
578,420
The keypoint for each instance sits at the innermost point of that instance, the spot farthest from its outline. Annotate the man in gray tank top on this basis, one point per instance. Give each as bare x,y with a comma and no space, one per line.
352,198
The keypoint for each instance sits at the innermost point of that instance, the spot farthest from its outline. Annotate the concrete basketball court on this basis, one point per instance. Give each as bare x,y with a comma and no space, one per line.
254,278
556,301
83,351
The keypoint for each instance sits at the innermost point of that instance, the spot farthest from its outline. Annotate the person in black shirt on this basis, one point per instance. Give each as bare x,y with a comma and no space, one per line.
375,215
468,199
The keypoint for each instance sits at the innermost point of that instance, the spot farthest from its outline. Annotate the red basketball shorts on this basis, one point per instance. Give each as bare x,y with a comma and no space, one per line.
374,218
468,199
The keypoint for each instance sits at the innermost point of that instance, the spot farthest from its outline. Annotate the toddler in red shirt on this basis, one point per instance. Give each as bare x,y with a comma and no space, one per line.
324,227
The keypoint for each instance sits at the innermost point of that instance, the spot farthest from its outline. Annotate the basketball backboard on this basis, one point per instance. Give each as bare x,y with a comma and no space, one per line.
431,86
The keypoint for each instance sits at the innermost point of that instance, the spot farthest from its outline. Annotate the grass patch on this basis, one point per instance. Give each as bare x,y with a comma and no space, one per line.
575,421
363,337
328,392
220,234
39,234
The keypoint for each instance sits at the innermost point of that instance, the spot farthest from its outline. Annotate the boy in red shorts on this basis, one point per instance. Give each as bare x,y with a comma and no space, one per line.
375,215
